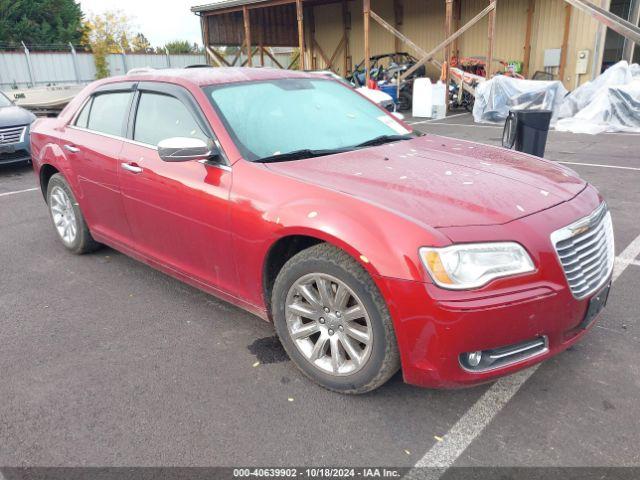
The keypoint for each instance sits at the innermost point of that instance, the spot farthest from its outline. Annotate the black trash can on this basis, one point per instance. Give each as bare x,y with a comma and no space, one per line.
526,131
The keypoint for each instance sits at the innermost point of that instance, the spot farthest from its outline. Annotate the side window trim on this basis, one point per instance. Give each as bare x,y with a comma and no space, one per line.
88,102
182,95
106,89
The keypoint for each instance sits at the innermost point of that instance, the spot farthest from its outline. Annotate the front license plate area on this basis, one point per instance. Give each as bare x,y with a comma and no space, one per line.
7,148
596,304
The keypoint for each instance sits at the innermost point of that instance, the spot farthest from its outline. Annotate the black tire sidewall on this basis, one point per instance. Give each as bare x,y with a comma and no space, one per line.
374,364
58,181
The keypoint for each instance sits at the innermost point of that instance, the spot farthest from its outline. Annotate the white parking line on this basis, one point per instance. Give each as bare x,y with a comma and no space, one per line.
627,257
475,125
599,165
443,454
435,120
18,191
463,125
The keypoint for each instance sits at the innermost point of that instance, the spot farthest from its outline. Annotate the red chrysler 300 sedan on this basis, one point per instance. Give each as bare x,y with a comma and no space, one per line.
371,247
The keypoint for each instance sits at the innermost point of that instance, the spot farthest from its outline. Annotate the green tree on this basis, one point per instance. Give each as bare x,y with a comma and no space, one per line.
109,32
40,22
140,44
177,47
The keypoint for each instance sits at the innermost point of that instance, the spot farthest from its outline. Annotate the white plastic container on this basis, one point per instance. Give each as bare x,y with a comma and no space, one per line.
422,98
438,100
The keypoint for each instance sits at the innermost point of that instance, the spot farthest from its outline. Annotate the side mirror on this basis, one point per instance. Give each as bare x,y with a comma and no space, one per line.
184,149
398,115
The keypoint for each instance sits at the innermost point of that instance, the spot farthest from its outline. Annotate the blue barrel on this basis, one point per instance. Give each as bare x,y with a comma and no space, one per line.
390,89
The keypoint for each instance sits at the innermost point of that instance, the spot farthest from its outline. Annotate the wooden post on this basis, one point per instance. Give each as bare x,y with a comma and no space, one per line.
237,55
366,10
490,37
428,57
390,28
448,21
312,42
527,38
325,59
457,16
398,13
565,40
300,16
253,52
634,17
247,34
216,57
260,22
266,52
205,35
346,27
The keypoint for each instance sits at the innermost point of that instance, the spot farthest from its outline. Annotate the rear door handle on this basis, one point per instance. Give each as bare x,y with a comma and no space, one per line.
71,148
131,168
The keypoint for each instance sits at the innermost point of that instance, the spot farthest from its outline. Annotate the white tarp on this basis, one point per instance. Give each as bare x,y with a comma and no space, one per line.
609,103
495,97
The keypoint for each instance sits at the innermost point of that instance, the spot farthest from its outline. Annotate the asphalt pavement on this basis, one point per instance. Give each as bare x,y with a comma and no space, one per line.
107,362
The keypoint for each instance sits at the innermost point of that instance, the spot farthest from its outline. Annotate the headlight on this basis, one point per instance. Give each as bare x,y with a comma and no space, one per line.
473,265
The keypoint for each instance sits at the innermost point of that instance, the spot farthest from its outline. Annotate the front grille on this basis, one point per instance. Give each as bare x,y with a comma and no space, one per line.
10,135
586,251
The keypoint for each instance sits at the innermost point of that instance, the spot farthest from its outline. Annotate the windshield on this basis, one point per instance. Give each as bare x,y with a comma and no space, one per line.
276,117
4,101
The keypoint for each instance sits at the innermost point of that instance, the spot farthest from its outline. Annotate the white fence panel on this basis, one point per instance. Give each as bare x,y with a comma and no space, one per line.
52,68
116,65
181,61
58,67
13,70
86,67
146,60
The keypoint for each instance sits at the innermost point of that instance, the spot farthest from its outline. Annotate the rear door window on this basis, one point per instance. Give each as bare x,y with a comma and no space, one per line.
108,113
159,117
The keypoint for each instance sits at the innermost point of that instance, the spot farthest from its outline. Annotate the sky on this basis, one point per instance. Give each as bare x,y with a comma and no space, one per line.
160,21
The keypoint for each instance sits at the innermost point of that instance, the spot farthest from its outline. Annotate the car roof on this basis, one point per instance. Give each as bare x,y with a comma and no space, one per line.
210,76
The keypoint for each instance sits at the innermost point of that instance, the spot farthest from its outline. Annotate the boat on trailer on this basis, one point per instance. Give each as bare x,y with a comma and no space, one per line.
44,100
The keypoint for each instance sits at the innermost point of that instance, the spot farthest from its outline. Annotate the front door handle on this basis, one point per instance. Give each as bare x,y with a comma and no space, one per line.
71,148
131,168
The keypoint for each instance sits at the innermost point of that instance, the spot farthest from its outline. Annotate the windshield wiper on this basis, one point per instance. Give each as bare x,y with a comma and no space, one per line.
384,139
310,153
299,154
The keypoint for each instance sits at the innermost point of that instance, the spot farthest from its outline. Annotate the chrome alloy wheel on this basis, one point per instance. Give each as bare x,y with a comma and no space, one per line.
64,217
329,324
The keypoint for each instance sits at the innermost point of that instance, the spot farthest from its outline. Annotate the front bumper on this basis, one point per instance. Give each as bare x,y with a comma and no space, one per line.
432,334
17,156
435,326
16,152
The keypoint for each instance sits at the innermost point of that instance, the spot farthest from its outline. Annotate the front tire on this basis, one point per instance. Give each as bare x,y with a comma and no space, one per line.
67,218
333,321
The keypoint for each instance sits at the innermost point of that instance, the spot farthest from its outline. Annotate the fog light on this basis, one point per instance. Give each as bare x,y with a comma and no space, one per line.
474,358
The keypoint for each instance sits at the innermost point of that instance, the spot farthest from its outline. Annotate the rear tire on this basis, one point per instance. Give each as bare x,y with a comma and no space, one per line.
67,219
333,321
405,101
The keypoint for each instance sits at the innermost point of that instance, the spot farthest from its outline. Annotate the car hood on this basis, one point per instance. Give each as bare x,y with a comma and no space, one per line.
13,115
442,182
